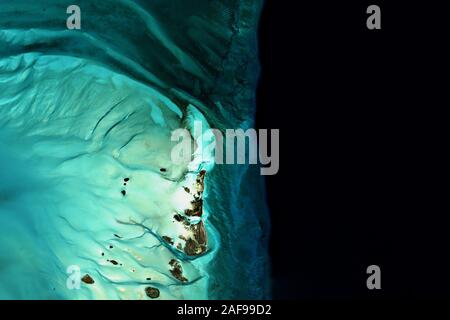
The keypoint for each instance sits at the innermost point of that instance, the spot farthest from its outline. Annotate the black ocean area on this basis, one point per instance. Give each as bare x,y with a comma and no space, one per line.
362,170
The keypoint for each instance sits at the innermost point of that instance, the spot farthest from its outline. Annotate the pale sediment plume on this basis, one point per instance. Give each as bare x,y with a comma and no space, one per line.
111,190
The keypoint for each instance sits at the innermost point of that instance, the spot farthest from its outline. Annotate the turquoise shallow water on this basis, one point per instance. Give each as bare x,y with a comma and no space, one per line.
87,180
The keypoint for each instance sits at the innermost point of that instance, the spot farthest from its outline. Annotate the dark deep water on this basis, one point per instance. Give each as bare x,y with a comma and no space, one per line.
361,161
